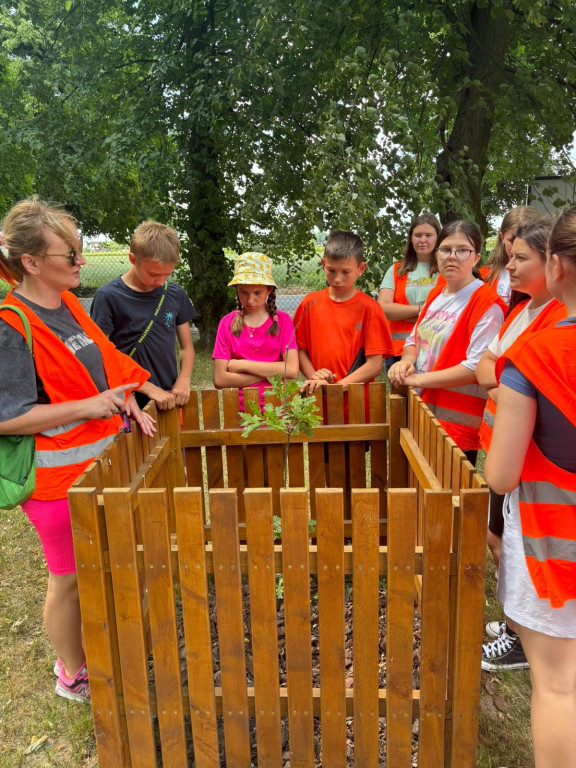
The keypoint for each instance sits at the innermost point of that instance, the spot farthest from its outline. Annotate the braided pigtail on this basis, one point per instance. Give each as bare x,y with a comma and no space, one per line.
238,322
273,312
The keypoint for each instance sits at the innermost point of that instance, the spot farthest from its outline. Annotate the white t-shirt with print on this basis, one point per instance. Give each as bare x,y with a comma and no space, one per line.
439,321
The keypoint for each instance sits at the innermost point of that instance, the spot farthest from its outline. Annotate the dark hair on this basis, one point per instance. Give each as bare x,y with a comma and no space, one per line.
516,217
344,245
409,256
562,238
536,234
238,322
469,230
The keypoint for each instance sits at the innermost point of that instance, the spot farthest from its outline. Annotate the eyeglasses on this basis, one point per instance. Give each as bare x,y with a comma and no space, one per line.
462,254
73,255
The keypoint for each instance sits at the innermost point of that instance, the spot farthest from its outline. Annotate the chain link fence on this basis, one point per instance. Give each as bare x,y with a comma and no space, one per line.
105,261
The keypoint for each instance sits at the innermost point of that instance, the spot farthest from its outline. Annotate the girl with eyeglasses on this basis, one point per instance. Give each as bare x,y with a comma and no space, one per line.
532,459
460,318
70,395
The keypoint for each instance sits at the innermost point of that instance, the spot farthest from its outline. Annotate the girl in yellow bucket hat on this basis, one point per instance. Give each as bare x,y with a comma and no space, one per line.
256,340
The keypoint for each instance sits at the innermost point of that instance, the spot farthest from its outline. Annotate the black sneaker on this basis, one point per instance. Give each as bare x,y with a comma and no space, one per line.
505,652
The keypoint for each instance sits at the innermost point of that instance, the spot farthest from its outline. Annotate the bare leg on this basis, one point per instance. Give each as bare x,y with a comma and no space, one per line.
62,621
495,544
553,672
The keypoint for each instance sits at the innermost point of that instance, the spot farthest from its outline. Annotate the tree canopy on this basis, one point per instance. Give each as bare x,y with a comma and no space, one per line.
246,123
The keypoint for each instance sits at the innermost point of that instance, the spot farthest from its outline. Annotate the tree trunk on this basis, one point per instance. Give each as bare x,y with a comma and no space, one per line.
462,162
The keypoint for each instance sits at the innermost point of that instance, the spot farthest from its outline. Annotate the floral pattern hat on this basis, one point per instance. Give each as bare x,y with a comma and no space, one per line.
253,269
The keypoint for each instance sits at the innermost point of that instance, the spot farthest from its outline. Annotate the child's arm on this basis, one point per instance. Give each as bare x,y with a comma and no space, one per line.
371,368
288,367
163,399
181,388
222,377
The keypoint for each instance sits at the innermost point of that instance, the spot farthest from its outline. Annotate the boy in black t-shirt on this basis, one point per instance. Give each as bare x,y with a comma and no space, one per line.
144,314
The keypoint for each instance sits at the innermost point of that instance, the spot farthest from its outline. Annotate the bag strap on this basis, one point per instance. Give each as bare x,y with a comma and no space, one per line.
140,341
25,323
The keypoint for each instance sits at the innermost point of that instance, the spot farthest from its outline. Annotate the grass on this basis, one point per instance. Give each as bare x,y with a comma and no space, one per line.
29,710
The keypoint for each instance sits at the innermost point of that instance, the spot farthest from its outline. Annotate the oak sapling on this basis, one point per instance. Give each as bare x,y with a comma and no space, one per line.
294,414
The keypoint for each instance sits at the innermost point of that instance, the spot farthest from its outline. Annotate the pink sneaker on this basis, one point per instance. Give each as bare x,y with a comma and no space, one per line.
77,689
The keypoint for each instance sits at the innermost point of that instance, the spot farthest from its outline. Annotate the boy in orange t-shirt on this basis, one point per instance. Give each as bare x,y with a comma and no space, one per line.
342,334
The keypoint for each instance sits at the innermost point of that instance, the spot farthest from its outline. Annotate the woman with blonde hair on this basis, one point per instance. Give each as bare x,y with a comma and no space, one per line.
69,395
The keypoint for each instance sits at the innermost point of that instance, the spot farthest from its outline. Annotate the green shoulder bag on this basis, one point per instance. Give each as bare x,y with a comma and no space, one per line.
17,452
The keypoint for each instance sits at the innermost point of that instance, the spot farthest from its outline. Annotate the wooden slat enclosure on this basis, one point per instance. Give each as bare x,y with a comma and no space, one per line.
211,643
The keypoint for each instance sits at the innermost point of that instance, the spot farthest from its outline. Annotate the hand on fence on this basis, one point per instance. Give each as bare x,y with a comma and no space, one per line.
400,370
146,423
324,374
164,400
181,392
311,385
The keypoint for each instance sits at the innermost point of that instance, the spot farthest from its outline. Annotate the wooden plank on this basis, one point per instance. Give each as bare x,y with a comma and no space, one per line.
196,621
400,626
234,453
379,446
330,538
296,471
129,608
163,630
211,419
263,616
228,582
458,458
169,426
435,611
218,437
274,460
356,451
465,691
99,623
192,455
336,469
365,524
449,451
255,454
397,420
295,569
418,463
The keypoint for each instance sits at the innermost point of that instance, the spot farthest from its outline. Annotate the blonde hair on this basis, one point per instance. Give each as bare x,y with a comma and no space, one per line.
24,232
159,242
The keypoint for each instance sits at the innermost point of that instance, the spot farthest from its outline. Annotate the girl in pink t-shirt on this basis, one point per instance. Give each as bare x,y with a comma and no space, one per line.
256,340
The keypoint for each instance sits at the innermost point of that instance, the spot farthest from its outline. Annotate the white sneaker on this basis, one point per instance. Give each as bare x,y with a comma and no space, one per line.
495,628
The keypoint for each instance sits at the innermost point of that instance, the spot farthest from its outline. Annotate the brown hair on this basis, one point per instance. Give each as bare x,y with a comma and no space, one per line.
344,245
535,234
562,238
515,218
238,322
409,257
24,232
159,242
470,230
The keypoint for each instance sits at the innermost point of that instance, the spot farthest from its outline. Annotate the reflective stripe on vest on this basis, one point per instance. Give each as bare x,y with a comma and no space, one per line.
455,417
62,428
49,459
399,336
549,547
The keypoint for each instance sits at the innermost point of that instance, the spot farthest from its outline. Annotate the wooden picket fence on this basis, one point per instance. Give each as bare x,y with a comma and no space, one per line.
193,658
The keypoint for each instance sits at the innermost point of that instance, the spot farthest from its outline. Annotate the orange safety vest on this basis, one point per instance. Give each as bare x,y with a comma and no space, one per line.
459,409
547,493
63,452
550,315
